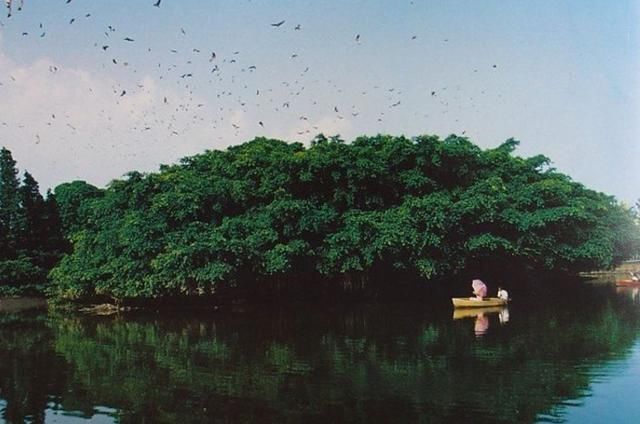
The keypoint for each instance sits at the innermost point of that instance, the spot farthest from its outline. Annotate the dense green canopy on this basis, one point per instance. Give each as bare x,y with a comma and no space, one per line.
268,211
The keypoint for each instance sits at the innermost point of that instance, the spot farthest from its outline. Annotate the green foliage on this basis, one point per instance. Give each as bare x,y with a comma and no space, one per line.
11,214
20,274
70,198
267,211
31,241
33,206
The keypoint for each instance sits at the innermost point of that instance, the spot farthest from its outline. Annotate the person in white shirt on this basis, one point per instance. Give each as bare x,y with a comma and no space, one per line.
502,294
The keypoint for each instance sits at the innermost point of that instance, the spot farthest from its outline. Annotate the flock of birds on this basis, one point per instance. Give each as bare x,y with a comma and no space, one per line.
229,80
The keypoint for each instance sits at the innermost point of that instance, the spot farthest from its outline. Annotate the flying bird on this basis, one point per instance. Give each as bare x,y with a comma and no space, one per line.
72,21
297,28
157,4
357,38
277,24
8,5
128,39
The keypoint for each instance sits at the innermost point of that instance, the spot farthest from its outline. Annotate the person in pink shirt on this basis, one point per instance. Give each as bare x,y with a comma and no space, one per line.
479,289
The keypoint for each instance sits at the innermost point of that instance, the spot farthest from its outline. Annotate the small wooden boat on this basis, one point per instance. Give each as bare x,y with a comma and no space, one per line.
465,302
627,283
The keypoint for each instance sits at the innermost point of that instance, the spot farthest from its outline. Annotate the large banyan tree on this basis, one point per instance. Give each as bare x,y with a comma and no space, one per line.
269,211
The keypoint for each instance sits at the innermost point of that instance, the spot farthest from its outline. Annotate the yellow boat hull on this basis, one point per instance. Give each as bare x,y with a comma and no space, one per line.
465,302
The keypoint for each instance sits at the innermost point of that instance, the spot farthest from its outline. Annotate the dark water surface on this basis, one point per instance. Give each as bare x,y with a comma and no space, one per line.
564,359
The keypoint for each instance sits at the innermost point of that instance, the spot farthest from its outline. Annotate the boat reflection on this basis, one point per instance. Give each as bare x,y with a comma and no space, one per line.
632,292
481,315
481,325
459,313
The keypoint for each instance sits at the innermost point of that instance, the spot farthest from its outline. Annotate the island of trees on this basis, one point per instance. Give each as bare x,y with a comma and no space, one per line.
268,214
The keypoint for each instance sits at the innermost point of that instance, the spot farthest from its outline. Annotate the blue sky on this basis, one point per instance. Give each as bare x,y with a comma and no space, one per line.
560,76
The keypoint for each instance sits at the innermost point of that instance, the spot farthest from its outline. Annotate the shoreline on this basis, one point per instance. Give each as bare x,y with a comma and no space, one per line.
19,303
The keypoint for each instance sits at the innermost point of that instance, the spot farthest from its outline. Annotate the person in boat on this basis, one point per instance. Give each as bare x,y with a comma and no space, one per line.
503,294
479,289
635,276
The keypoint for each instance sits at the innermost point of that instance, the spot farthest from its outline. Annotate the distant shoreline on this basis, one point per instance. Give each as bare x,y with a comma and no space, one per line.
621,271
17,304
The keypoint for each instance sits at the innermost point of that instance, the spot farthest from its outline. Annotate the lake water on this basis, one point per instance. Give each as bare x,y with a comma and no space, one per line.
571,358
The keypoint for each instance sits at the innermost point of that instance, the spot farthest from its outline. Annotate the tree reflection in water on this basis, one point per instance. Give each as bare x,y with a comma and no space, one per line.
384,363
